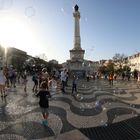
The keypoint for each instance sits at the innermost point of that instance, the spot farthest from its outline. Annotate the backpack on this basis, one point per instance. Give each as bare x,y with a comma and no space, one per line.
33,78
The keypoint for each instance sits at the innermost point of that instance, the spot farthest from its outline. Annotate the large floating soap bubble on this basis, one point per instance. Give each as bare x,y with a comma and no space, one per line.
86,19
81,107
79,97
99,89
89,106
30,11
133,106
95,88
114,99
132,113
116,90
5,4
122,91
83,85
104,108
67,7
102,121
103,124
98,105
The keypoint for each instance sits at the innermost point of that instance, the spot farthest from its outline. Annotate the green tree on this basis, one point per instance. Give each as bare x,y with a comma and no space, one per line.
120,59
126,68
110,67
103,69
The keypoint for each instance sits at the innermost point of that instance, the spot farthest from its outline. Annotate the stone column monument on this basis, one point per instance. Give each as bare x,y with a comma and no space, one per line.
75,64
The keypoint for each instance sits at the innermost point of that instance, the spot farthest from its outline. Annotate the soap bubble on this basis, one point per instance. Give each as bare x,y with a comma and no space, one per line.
5,4
104,108
30,11
98,105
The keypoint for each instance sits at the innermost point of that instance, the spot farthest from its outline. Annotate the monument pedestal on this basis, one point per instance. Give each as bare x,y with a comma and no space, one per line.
76,67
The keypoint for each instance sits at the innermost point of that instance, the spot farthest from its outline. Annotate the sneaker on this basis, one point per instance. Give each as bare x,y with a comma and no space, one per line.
5,95
36,91
45,122
25,90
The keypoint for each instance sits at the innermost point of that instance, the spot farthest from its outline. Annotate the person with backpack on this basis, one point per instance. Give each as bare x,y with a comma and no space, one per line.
35,80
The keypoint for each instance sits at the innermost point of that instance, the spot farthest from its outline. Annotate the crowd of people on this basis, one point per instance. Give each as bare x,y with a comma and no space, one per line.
9,77
45,85
125,75
113,76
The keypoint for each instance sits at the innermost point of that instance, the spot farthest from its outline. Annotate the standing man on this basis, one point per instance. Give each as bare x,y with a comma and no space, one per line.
45,76
63,79
74,84
67,77
111,78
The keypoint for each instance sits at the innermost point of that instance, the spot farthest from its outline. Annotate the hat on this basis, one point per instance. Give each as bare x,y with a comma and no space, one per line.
44,69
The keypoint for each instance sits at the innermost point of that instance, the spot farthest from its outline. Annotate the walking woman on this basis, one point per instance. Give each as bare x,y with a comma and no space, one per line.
2,82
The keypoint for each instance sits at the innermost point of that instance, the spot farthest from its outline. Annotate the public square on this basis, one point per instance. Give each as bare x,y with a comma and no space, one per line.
97,111
90,44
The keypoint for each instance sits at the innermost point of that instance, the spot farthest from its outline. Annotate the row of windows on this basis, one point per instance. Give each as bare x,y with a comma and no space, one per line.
134,56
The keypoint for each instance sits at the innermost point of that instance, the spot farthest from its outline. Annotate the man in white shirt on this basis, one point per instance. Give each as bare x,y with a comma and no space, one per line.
63,79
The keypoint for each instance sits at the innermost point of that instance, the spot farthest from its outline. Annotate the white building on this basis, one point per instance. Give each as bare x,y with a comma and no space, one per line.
134,62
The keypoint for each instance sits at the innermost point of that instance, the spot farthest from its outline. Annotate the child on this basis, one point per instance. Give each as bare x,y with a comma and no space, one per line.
44,103
52,86
74,84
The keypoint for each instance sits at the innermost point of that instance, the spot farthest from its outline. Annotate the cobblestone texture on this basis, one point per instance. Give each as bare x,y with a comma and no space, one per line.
95,104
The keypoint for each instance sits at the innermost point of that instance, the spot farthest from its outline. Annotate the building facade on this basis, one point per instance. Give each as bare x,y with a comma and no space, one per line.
134,62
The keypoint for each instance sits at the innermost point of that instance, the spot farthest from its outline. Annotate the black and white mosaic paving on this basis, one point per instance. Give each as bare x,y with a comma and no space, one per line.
96,104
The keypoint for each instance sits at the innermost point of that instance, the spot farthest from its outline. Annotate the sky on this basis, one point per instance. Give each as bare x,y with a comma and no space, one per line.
46,27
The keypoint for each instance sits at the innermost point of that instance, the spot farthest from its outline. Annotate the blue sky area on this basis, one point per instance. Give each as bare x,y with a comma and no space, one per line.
47,27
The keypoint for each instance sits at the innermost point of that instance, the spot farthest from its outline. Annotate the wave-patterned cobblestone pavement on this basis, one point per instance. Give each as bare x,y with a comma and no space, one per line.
92,113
